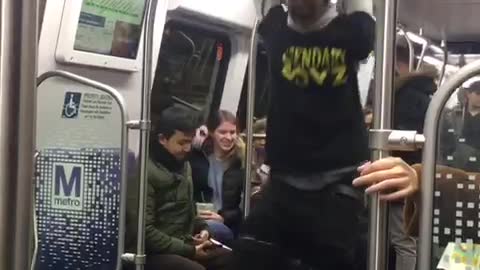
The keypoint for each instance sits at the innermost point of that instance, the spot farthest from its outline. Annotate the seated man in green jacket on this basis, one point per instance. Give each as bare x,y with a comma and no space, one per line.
174,237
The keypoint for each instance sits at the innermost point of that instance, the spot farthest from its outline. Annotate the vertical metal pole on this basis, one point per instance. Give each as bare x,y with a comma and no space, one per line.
384,69
151,7
432,124
252,72
18,63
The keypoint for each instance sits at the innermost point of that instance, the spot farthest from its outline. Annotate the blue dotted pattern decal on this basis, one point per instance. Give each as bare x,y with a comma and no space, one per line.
78,208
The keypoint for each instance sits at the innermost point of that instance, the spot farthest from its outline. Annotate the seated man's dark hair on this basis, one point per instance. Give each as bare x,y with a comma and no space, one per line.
176,118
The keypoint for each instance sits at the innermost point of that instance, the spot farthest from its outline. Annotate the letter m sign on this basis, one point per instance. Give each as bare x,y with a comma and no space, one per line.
67,186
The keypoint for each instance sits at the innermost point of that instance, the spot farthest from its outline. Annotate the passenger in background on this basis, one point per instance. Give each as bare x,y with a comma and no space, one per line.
471,127
174,237
262,170
217,170
413,91
261,164
460,134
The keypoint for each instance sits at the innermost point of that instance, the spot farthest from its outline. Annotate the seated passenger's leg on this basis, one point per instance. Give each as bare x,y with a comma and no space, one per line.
171,262
221,260
220,232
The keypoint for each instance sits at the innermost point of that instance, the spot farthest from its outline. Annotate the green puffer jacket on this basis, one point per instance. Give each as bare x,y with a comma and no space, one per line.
170,216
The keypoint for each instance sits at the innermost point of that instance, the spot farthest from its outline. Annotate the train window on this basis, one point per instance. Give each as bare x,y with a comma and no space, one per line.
262,94
191,68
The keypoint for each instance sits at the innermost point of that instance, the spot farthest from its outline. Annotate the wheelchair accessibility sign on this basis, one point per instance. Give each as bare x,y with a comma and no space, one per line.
88,106
71,105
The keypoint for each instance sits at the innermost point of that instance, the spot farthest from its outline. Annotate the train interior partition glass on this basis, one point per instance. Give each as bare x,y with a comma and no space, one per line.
456,217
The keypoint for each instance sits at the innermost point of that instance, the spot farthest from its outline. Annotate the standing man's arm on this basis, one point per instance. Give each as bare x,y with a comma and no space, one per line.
273,21
362,27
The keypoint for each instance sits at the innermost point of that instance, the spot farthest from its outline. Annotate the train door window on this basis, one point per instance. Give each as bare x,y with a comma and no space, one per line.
41,7
191,69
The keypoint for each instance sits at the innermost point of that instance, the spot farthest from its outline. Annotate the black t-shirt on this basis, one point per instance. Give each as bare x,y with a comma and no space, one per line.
315,119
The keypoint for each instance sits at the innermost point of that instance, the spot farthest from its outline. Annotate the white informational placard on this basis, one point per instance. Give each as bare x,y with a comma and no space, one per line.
101,33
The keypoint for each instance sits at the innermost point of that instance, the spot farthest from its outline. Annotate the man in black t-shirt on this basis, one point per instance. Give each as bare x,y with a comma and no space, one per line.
309,212
315,89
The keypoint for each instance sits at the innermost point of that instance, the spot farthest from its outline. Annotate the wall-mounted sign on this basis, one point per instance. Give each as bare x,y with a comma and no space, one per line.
81,142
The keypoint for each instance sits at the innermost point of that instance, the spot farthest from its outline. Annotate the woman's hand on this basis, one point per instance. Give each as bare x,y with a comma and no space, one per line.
391,177
209,215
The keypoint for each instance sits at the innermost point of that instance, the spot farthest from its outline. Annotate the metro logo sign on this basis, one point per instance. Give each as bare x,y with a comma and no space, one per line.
67,192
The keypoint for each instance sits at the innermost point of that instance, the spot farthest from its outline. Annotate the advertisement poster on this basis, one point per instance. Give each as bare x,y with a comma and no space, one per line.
110,27
460,257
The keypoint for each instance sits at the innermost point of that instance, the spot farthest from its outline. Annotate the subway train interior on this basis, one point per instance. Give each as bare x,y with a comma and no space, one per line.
85,86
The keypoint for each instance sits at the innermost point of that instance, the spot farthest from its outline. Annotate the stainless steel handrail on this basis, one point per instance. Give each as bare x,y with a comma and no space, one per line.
18,68
252,69
385,48
411,49
445,62
422,55
145,128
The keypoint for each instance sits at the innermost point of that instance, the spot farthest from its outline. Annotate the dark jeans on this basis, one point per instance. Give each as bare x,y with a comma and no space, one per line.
325,229
220,232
